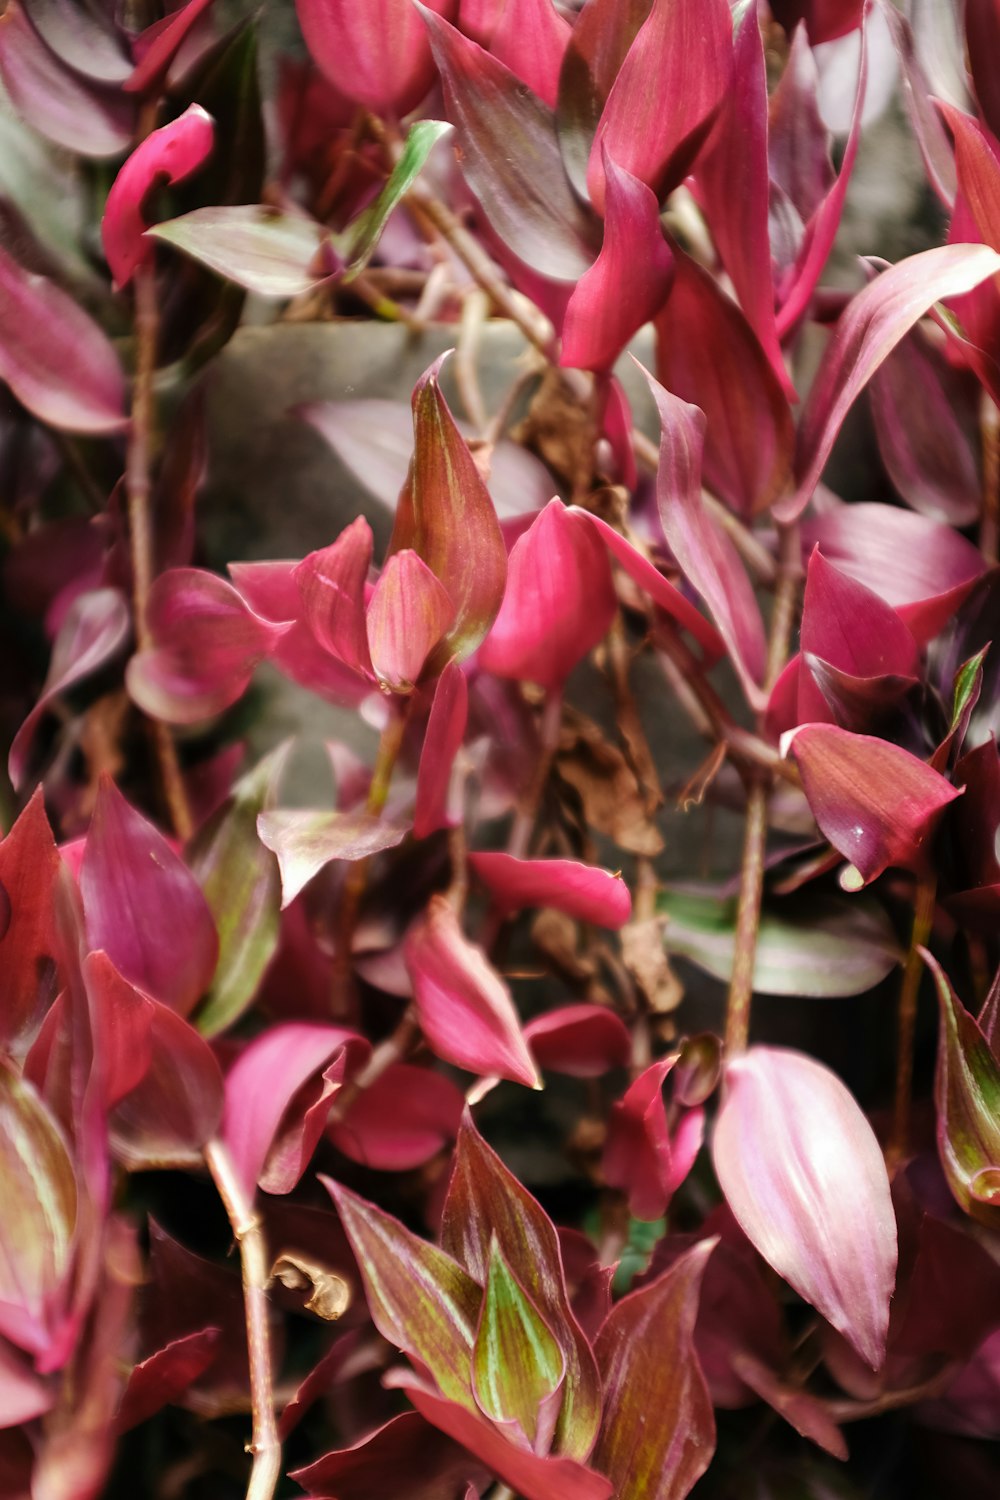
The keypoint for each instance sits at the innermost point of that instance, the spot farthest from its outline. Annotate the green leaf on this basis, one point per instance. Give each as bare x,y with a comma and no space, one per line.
364,234
816,946
486,1201
420,1299
968,686
39,1211
967,1096
242,885
658,1432
517,1364
266,251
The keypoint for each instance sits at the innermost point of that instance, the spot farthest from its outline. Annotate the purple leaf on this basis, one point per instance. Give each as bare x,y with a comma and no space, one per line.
443,738
582,891
206,643
804,1175
598,45
55,359
349,42
666,95
169,1372
798,142
435,1466
266,251
646,1355
628,281
707,557
640,1156
156,47
982,32
399,1122
84,38
511,158
531,38
279,1092
128,871
307,840
446,516
583,1041
869,329
166,155
935,148
876,803
466,1011
707,353
29,869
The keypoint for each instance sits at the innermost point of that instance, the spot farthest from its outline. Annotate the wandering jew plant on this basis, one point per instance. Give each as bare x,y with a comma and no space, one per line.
596,1092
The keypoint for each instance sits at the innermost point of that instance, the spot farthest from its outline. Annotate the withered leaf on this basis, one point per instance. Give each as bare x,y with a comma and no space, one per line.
329,1294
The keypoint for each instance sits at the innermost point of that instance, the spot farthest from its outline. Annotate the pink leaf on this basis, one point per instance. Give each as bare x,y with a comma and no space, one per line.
583,1041
666,95
29,869
409,613
982,31
640,1157
54,357
401,1120
279,1092
627,282
465,1009
370,1469
707,353
582,891
206,643
876,803
442,741
332,588
129,870
349,42
706,555
305,841
157,46
646,1355
804,1176
530,38
559,601
24,1395
868,331
166,155
977,159
271,590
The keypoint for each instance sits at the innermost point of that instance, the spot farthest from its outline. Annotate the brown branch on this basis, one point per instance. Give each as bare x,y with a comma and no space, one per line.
923,918
249,1235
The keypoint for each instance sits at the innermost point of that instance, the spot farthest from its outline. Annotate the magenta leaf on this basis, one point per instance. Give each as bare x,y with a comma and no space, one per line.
559,601
582,891
870,328
804,1175
707,353
977,160
279,1092
446,516
166,155
531,38
306,841
39,1218
645,1352
982,32
128,871
206,643
77,113
584,1041
667,93
642,1156
517,1364
269,252
166,1374
29,868
628,281
331,584
420,1299
400,1121
371,1468
156,48
349,44
54,357
967,1096
435,804
511,158
485,1201
707,557
466,1011
409,613
875,802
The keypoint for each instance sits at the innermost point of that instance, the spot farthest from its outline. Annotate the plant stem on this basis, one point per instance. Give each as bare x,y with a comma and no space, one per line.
923,918
392,1050
747,918
524,823
248,1232
989,428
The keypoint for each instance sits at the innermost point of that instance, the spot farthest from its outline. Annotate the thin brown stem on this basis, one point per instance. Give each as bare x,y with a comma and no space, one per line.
989,529
524,823
923,918
392,1050
786,599
249,1235
747,918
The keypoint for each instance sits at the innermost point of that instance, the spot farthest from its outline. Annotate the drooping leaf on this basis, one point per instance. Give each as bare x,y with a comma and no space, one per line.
446,516
366,230
419,1298
582,891
646,1355
266,251
486,1200
583,1041
967,1095
307,840
167,1373
370,1469
401,1120
70,377
465,1009
511,158
824,948
641,1156
517,1364
242,885
804,1175
129,870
